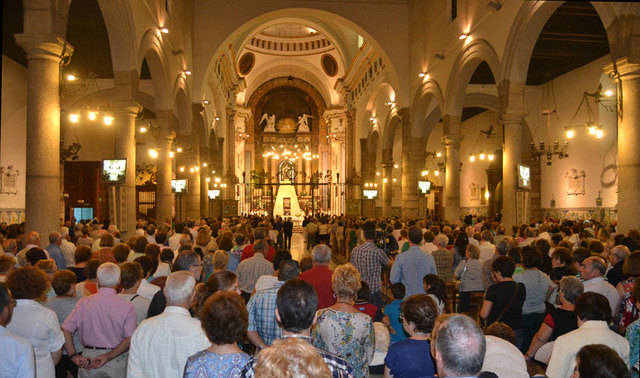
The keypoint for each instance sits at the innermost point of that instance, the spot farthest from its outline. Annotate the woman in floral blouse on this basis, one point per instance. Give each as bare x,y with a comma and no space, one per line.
342,329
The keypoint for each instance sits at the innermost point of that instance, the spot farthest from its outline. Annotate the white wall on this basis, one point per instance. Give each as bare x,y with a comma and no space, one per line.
586,153
13,138
473,142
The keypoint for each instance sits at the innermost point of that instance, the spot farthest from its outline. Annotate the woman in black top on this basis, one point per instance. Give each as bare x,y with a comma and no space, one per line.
503,300
559,321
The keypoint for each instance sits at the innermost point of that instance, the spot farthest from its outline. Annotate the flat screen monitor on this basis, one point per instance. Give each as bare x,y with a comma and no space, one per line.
524,177
424,187
370,194
114,171
179,186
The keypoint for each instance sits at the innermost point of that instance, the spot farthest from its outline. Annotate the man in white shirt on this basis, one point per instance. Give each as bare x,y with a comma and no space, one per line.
68,248
16,359
592,272
487,250
593,315
174,240
161,345
428,246
504,359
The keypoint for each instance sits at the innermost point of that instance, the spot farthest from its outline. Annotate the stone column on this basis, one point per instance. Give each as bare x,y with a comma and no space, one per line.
453,137
413,158
43,131
511,157
205,172
191,160
125,148
628,142
164,197
387,191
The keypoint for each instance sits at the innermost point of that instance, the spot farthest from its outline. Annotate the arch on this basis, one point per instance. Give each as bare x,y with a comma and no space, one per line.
309,89
392,125
152,50
474,53
372,141
283,68
120,24
336,28
182,109
482,100
428,98
528,24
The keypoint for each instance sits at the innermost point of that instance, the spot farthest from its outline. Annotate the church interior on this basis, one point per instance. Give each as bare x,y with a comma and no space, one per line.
178,109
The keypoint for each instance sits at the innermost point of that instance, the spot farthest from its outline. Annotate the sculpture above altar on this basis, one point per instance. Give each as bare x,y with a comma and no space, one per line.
285,125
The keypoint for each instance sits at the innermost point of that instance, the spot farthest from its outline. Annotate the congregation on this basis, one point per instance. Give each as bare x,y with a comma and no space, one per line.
365,297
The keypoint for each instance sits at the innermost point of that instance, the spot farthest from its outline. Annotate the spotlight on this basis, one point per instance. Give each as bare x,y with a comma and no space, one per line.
92,116
472,158
187,72
491,157
205,102
482,156
74,117
437,172
592,130
107,120
179,149
143,129
438,154
181,169
71,77
395,166
164,30
608,93
171,154
153,153
204,164
599,133
570,134
463,36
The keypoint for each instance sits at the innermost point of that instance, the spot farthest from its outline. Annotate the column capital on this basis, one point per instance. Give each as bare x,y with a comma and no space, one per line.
127,108
511,118
44,46
626,68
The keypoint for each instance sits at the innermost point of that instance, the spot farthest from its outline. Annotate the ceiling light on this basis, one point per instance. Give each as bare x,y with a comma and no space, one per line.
164,30
204,164
107,120
143,129
213,172
74,117
92,115
71,77
570,134
592,130
153,153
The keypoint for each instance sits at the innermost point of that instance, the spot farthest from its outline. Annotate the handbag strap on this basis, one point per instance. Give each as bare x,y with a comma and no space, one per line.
513,298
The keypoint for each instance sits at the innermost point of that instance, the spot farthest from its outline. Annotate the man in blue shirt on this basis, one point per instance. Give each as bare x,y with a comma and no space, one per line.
54,250
411,266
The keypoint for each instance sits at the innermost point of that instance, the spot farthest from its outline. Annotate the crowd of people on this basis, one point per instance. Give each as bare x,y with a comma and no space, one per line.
365,297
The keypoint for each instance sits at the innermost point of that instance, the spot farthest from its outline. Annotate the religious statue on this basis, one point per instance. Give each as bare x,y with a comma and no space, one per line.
271,123
303,123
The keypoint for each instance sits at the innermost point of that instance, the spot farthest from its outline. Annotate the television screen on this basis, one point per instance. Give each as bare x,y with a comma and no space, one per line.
179,186
370,194
114,171
424,187
215,193
524,177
